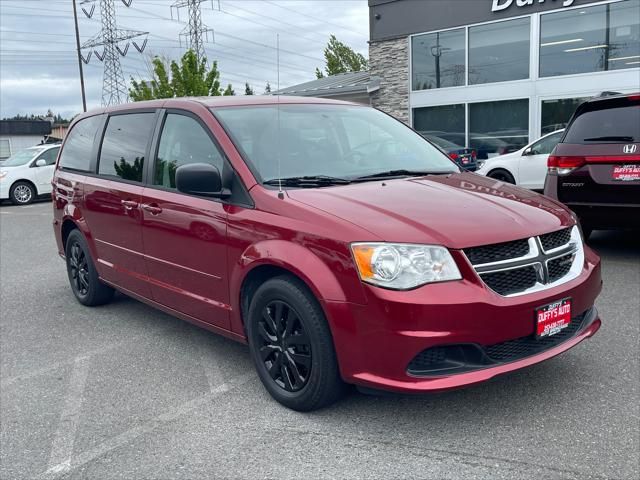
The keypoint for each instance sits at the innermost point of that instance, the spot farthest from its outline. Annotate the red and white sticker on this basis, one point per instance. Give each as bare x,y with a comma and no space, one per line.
553,318
626,173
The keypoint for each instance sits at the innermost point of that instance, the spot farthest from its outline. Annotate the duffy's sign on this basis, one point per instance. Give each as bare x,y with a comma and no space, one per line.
499,5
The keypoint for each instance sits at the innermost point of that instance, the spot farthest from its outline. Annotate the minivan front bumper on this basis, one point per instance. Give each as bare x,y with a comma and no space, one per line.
378,343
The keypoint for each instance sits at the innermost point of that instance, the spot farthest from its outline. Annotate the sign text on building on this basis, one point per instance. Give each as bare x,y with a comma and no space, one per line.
499,5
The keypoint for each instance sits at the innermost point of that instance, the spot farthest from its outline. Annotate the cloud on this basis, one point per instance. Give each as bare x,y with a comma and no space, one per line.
39,69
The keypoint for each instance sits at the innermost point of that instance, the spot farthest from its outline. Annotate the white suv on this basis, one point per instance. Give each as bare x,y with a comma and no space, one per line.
28,174
526,167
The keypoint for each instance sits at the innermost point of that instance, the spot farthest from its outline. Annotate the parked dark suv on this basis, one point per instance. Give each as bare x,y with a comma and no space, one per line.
595,169
333,239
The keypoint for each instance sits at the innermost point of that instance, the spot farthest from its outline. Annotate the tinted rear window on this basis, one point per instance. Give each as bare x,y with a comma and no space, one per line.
78,146
125,145
620,124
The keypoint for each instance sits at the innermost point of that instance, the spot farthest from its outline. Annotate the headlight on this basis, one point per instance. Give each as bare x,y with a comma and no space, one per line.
402,266
480,164
3,174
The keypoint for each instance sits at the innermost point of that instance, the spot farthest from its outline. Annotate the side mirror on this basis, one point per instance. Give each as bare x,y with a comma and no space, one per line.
527,152
201,179
41,162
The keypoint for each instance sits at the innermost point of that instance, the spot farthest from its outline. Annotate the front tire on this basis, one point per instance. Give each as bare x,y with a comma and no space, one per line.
22,193
292,347
502,175
83,276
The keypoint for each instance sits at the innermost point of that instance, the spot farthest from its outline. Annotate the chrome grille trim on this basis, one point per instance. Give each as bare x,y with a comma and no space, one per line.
539,259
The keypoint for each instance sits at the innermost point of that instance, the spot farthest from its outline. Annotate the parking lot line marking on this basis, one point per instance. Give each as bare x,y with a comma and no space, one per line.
208,362
62,447
66,466
54,366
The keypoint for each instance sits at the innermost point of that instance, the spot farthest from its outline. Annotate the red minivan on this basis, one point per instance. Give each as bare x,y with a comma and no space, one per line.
342,246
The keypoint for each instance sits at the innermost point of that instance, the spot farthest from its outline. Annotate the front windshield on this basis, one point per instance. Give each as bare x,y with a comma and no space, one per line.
340,141
21,158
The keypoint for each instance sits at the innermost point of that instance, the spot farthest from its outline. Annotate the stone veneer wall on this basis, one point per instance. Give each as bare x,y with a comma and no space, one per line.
389,60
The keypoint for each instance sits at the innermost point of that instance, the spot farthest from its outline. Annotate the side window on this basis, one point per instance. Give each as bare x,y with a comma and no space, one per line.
50,156
545,146
183,141
76,154
124,145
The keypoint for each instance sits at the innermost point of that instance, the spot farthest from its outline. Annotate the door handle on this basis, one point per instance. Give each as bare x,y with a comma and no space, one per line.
152,208
129,204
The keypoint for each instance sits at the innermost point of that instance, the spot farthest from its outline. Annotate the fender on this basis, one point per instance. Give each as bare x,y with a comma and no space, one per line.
295,258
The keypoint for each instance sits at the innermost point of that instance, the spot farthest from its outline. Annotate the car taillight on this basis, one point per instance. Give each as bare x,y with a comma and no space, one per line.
454,156
563,165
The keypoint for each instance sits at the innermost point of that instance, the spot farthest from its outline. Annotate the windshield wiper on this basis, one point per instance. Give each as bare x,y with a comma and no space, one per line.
307,181
611,138
399,174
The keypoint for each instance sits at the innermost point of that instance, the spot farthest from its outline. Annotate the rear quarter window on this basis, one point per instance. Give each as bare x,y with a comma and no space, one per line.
78,147
125,145
619,124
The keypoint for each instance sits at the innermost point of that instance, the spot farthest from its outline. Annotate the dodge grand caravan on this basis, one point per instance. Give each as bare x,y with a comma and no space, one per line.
338,243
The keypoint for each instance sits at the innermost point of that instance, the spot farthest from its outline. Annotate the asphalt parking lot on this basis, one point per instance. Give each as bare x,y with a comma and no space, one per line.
125,391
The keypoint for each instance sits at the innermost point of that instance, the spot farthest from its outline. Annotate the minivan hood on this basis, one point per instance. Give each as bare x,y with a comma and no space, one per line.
458,210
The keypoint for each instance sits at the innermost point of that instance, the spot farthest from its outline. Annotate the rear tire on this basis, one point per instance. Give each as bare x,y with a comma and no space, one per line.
22,193
292,347
502,175
83,276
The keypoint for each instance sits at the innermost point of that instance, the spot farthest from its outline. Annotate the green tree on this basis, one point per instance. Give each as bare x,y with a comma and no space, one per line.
189,78
341,58
228,92
267,89
247,89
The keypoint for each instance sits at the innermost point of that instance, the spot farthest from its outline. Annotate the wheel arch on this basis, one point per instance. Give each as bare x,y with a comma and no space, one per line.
66,228
502,168
25,180
273,258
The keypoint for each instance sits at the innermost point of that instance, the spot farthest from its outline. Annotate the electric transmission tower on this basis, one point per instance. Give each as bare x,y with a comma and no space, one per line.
195,33
115,43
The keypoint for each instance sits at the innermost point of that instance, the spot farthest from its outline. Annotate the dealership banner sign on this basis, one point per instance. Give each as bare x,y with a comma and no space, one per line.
499,5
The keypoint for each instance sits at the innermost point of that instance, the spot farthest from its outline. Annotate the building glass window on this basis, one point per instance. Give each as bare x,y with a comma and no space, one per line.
441,125
557,113
496,128
438,59
5,148
499,52
590,39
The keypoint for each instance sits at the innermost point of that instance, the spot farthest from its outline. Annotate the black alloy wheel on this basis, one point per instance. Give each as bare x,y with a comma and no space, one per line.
79,270
284,346
291,345
83,276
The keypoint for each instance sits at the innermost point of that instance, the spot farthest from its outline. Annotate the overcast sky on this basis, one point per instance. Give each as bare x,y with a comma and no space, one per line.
38,63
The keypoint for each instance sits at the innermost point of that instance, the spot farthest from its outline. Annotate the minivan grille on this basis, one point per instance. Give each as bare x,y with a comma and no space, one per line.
497,252
506,282
559,267
459,358
555,239
532,264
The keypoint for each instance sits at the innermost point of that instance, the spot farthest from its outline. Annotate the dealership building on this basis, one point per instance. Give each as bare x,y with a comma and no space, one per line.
495,74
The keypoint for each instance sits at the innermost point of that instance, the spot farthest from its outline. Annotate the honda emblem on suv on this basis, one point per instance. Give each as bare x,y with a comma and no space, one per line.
630,148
